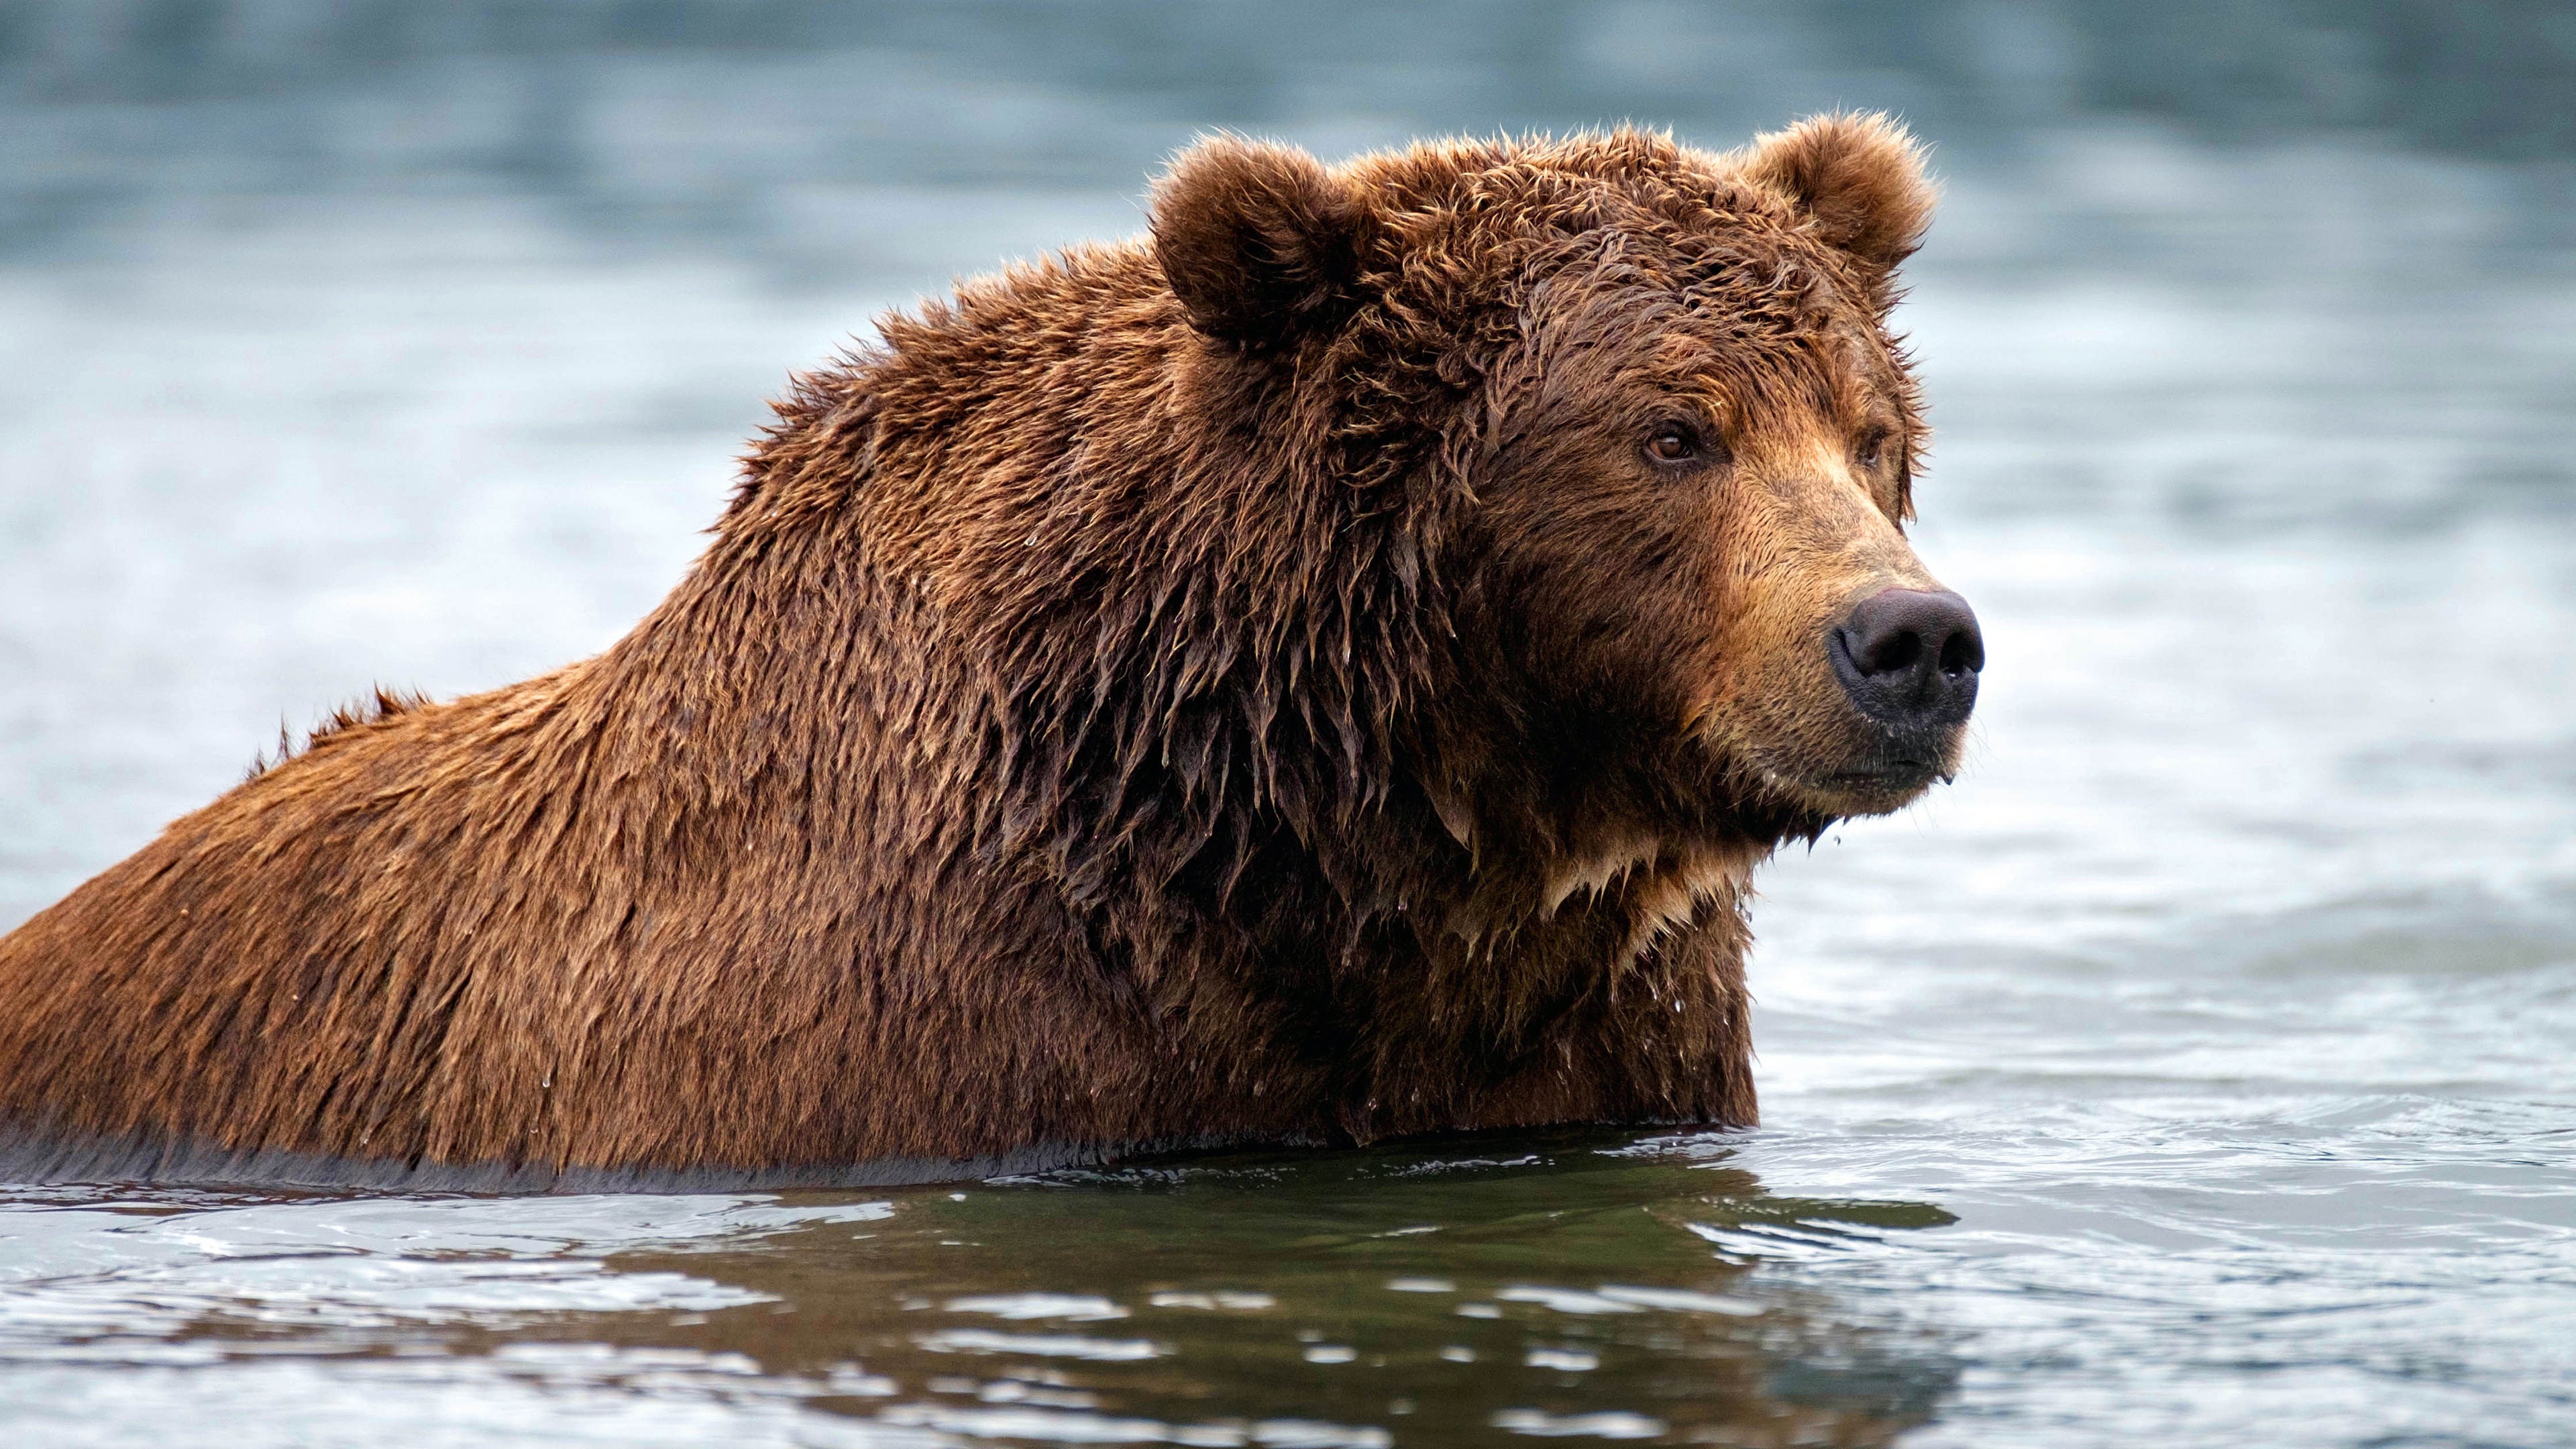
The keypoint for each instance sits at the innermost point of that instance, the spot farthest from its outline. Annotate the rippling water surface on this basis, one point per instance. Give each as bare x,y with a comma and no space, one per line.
2196,1070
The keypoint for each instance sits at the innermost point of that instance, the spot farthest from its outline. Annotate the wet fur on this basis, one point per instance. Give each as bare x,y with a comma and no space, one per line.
1180,692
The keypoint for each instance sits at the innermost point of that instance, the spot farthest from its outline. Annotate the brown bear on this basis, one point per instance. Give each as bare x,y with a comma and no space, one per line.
1321,672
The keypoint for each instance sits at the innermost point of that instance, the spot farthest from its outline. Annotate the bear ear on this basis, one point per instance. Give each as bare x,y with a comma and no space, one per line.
1259,242
1860,177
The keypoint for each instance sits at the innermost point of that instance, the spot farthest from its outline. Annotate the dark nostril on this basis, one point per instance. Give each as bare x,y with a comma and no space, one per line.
1963,652
1889,653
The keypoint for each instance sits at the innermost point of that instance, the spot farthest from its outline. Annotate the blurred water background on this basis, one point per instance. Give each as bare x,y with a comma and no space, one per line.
2197,1070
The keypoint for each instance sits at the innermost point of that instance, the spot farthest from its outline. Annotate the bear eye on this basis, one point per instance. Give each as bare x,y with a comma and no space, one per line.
1873,449
1672,443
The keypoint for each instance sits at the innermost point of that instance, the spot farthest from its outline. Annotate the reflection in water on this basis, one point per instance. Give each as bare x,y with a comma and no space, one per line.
1553,1284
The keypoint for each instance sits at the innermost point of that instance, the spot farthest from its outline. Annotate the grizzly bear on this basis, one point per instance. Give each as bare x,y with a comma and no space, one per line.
1323,671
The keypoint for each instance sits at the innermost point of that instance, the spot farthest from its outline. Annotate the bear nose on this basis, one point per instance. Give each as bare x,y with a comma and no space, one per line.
1909,657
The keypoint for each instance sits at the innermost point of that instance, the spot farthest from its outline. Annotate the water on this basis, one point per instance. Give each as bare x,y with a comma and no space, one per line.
2196,1070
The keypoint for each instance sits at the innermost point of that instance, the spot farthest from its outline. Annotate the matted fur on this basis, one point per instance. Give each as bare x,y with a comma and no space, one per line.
1245,685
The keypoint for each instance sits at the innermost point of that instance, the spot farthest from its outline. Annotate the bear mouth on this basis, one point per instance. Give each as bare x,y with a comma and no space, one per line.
1893,775
1882,780
1875,774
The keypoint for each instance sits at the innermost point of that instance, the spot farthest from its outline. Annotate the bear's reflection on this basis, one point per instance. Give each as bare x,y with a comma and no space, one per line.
1429,1292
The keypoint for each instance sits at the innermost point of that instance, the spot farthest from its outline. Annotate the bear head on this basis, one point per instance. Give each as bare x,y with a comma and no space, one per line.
1641,412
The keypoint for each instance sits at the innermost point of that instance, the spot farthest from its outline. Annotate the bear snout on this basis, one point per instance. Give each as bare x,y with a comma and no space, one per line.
1908,659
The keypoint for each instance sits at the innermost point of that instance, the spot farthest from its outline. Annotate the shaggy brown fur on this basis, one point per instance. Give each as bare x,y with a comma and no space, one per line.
1276,682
